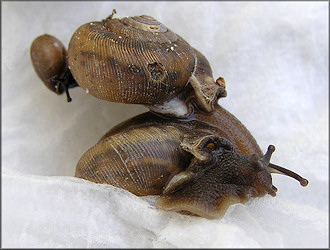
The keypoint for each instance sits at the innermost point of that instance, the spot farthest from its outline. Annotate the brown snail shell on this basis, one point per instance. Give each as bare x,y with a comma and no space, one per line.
48,57
139,60
189,163
232,129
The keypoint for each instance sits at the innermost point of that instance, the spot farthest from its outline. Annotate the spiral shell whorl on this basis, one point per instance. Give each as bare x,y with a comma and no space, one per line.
144,22
126,61
129,160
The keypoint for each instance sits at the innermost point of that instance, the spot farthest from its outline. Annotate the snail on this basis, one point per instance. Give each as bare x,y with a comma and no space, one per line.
193,153
49,55
191,164
135,60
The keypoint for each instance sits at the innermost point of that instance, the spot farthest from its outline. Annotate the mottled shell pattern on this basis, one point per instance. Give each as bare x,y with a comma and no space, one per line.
139,60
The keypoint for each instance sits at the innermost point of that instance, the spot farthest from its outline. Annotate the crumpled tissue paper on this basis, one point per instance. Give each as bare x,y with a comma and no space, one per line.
274,58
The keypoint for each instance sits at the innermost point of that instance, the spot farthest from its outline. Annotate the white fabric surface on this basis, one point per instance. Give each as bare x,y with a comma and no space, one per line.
274,58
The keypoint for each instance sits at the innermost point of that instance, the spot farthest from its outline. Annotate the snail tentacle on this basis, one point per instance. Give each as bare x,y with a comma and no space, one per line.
280,170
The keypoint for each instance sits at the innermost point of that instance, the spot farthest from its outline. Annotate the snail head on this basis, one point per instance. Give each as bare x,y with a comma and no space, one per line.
260,178
209,186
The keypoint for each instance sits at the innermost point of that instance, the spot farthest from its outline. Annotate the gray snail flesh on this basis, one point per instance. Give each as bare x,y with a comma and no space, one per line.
191,164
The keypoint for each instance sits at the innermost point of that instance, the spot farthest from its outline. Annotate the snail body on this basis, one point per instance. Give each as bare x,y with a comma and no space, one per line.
191,164
138,60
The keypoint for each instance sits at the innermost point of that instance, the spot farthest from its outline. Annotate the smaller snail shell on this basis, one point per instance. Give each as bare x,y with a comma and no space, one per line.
139,60
48,57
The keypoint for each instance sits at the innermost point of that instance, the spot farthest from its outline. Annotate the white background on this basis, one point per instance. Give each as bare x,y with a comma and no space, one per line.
274,58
